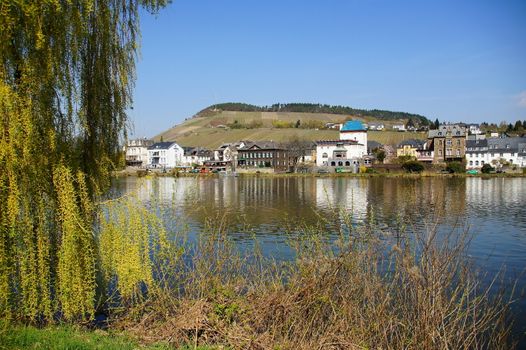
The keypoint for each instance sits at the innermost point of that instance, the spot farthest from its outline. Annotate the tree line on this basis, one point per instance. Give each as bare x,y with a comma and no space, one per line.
315,108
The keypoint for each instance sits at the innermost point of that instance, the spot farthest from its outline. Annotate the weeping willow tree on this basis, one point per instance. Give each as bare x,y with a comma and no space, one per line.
66,74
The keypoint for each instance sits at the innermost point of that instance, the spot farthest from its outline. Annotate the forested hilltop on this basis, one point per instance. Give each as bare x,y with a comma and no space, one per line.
313,108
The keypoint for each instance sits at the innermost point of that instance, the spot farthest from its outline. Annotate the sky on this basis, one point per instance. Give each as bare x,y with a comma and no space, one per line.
455,60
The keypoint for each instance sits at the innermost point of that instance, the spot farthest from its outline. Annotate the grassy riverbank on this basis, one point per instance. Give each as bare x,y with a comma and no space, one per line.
66,337
141,173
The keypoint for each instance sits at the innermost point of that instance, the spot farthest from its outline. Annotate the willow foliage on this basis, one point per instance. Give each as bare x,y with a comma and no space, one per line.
66,74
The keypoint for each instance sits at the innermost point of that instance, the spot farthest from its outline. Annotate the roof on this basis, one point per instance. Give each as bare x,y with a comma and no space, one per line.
140,142
162,145
373,144
505,143
413,143
353,125
196,151
476,145
448,130
334,142
260,145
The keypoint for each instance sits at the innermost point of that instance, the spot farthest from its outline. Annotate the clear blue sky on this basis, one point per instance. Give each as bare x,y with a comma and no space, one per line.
456,60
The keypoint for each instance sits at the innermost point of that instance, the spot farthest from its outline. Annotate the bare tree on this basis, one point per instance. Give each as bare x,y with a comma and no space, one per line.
297,149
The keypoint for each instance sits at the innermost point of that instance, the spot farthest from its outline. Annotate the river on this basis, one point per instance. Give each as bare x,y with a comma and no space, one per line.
491,210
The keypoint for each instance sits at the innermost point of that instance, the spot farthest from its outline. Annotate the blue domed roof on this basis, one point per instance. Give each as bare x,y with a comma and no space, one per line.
353,125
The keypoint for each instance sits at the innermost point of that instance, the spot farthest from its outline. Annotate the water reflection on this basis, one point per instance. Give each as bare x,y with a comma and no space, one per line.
493,209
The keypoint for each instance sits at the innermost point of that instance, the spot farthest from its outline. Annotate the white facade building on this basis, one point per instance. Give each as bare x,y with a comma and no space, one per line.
165,155
137,152
196,155
495,151
348,151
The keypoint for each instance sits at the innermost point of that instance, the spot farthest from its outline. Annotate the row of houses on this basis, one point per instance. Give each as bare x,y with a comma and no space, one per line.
349,151
451,142
458,143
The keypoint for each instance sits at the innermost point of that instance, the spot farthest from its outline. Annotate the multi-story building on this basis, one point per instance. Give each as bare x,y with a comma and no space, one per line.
196,155
264,154
418,149
348,151
165,155
496,151
448,143
137,152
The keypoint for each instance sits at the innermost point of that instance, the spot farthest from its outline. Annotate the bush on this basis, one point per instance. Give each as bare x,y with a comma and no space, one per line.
405,159
413,166
486,169
456,167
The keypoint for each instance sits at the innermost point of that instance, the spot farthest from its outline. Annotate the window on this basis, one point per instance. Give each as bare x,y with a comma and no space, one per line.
324,155
458,153
333,163
477,162
448,142
347,163
481,162
340,163
470,162
439,152
458,142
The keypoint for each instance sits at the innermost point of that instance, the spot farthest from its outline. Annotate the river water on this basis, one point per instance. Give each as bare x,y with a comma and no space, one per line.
492,210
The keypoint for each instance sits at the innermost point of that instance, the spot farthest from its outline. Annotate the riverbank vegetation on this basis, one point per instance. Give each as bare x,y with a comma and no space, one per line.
345,286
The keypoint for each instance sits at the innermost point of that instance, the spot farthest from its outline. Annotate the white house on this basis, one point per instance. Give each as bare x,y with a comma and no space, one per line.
376,126
496,151
137,152
165,155
228,151
474,129
399,127
196,155
349,150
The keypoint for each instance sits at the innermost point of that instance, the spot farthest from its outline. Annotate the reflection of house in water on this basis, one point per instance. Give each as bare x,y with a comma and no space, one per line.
498,190
164,189
342,193
415,200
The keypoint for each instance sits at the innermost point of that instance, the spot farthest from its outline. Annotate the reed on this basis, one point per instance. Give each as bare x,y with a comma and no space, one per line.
348,286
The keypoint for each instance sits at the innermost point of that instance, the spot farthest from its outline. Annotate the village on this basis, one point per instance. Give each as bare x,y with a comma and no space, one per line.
466,145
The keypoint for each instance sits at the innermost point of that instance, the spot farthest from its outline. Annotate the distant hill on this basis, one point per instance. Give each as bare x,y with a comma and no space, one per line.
315,108
231,122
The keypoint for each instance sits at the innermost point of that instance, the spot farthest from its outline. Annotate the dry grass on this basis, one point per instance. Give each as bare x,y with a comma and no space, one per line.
346,288
199,131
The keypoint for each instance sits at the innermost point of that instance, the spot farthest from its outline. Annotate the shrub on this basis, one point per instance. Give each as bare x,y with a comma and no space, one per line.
413,166
456,167
281,124
405,159
486,169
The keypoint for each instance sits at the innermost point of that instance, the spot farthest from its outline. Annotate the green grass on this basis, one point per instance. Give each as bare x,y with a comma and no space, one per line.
66,337
199,131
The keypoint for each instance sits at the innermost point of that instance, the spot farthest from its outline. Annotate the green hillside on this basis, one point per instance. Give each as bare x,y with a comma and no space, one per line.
212,127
